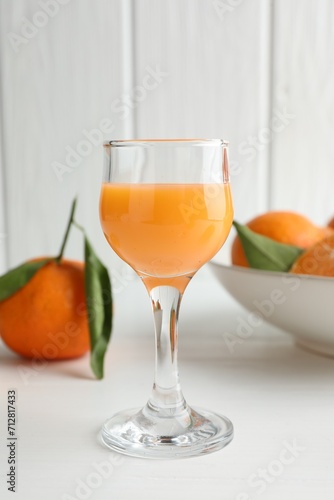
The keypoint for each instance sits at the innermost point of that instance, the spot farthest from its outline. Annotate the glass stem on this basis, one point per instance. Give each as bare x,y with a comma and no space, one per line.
167,398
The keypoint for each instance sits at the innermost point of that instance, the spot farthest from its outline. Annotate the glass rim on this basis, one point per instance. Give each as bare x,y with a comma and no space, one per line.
164,142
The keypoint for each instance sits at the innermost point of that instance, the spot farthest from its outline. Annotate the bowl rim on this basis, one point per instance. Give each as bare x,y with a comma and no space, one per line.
160,142
263,272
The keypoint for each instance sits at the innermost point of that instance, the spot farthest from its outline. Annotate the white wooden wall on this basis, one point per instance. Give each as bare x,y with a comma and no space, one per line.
256,72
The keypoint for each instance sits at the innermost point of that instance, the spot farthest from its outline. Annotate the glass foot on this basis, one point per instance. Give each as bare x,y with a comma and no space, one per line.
191,433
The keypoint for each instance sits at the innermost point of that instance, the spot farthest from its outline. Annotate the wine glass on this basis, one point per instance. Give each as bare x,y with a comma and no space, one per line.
166,209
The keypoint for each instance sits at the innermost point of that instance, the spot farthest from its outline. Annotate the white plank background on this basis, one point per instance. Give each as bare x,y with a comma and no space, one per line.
302,161
60,83
66,77
229,68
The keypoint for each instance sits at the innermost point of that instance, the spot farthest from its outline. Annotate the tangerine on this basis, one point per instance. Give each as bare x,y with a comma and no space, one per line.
331,223
285,227
47,317
317,260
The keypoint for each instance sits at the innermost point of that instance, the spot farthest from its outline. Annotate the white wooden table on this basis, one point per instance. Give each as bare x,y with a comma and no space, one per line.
279,398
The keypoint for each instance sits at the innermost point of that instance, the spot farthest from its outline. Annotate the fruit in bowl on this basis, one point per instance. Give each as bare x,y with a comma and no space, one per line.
288,228
288,286
318,260
284,227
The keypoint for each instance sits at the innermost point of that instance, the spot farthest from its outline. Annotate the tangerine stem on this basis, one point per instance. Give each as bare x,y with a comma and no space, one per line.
78,226
62,248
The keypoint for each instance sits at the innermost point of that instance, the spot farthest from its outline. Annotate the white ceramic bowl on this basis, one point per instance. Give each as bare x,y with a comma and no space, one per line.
302,305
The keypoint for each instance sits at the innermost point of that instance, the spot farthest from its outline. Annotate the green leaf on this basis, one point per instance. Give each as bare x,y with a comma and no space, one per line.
16,278
265,253
99,307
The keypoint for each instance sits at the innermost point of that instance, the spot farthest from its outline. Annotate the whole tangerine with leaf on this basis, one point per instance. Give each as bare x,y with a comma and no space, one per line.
286,227
54,308
263,252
